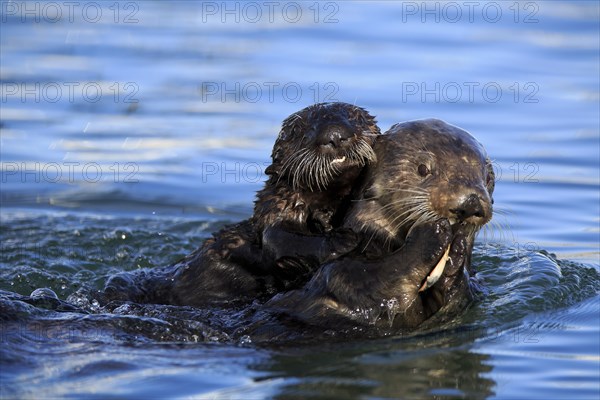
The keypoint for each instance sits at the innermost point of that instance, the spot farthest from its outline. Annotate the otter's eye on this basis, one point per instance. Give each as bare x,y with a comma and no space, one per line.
423,170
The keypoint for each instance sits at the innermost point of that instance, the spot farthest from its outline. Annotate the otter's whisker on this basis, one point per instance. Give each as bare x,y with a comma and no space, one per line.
412,214
418,191
415,200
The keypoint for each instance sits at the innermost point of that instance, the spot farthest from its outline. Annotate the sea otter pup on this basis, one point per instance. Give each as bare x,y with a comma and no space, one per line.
317,157
418,211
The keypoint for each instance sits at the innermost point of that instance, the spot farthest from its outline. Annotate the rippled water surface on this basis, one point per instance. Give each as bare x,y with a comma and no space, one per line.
132,130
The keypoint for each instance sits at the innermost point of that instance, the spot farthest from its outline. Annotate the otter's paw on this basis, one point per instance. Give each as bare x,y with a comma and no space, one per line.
458,253
341,241
430,240
322,220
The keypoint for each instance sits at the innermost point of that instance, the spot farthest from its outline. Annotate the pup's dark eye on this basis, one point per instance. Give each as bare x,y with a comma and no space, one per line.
423,170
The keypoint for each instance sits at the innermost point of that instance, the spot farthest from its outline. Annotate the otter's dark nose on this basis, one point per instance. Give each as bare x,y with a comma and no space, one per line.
470,207
334,135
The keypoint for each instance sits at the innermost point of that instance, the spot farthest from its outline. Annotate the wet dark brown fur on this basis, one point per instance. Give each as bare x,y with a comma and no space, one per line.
430,189
308,189
317,157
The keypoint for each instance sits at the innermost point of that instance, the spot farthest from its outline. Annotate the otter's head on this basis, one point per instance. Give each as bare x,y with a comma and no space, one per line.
427,170
321,143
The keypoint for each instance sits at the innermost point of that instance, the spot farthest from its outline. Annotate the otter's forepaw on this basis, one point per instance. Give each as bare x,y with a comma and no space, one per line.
458,253
322,220
431,240
341,241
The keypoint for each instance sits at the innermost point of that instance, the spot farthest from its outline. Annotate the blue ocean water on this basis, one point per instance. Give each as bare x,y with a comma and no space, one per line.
132,130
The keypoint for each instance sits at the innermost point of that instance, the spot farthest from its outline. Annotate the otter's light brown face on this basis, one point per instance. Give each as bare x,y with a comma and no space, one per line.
429,170
322,143
454,172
